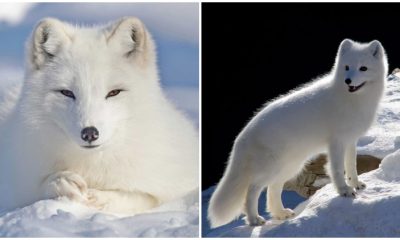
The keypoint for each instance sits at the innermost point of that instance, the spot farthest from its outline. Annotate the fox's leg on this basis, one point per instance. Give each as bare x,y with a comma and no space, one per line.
251,208
274,202
336,159
121,201
65,183
351,167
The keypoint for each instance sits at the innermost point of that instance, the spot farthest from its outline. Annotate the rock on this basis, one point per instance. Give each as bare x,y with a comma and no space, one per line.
396,70
314,177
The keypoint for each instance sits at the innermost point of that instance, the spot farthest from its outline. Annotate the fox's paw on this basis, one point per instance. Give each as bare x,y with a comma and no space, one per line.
96,199
347,191
68,184
283,214
358,185
255,221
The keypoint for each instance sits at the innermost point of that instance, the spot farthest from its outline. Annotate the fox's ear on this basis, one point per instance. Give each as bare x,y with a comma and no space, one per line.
46,41
376,48
345,45
129,37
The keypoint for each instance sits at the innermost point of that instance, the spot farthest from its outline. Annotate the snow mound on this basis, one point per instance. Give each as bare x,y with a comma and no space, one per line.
389,168
382,138
371,214
64,218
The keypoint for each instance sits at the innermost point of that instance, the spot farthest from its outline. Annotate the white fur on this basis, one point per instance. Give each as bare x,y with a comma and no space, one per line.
319,117
148,151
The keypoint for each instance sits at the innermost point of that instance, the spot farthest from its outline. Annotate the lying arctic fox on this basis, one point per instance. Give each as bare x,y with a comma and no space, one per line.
91,123
329,114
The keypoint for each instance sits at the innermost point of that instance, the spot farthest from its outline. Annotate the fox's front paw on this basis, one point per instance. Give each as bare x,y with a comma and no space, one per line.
358,185
96,200
255,221
283,214
346,191
68,184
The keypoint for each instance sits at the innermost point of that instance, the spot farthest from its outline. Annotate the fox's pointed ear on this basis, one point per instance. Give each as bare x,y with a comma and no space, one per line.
47,39
129,38
376,48
345,45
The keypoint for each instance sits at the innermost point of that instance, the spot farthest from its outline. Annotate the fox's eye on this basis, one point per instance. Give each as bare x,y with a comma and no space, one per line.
113,93
67,93
347,68
363,68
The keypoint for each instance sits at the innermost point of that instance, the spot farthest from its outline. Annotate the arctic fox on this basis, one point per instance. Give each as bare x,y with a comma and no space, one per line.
91,123
328,115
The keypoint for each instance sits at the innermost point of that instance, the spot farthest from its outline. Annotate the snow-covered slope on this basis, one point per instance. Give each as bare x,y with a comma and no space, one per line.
382,138
373,213
64,218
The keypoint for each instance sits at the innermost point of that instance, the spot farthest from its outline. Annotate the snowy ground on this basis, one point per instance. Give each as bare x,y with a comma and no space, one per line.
382,138
64,218
373,213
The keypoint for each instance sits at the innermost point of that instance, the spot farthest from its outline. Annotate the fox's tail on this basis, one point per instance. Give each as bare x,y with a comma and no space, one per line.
228,199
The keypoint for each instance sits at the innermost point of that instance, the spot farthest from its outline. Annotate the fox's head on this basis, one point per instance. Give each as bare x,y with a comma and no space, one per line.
86,80
359,65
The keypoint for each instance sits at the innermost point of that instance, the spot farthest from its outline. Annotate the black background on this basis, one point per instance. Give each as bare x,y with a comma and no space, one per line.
252,52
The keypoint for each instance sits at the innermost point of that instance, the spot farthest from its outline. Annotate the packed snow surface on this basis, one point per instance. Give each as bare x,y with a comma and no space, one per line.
371,214
374,211
64,218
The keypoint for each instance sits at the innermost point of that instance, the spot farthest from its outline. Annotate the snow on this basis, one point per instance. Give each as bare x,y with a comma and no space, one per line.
64,218
382,138
185,99
373,213
290,198
14,13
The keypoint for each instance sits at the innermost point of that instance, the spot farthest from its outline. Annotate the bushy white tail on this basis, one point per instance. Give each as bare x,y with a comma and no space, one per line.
228,199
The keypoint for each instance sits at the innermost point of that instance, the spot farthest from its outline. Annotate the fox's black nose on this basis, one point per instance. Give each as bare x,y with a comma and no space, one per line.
347,81
89,134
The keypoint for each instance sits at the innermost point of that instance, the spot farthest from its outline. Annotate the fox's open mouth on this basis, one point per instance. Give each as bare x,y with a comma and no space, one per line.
90,146
356,88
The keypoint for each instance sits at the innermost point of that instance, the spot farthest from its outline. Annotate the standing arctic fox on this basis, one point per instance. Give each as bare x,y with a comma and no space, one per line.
329,114
91,123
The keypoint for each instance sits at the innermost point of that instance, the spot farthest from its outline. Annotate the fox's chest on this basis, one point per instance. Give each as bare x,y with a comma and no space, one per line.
354,119
113,170
97,168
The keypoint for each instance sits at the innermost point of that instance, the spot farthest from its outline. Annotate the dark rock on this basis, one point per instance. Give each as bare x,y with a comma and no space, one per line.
396,70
